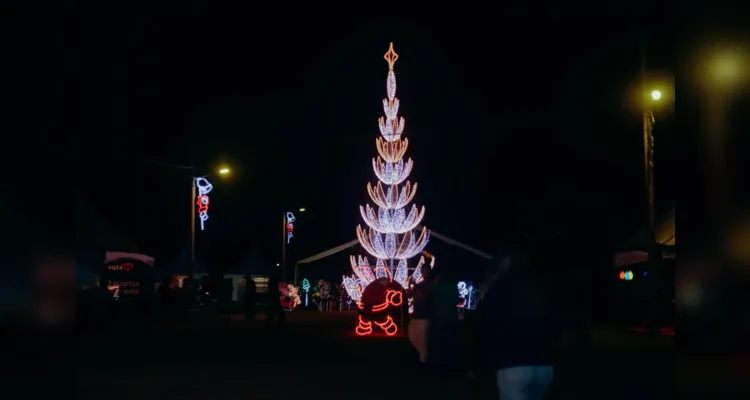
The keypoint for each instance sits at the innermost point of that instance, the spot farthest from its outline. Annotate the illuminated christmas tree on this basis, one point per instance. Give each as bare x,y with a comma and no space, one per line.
389,236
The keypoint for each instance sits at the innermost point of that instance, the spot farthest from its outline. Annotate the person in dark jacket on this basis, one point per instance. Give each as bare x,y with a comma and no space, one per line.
275,313
442,333
519,326
251,289
420,318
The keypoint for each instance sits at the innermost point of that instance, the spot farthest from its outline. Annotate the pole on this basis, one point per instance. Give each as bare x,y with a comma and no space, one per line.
283,243
296,273
648,156
191,270
717,145
648,153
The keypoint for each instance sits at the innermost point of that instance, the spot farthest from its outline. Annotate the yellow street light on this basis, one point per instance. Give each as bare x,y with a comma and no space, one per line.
726,68
656,95
302,209
224,171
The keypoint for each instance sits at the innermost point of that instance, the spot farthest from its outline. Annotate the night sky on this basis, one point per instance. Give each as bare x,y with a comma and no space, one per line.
510,130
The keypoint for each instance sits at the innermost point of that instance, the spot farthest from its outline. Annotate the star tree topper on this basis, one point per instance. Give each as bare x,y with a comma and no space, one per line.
391,57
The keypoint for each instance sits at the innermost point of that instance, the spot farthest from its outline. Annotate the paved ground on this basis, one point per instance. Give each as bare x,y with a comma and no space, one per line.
318,356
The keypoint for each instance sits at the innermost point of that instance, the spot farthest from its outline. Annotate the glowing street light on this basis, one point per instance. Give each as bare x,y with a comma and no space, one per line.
224,171
726,68
657,94
721,70
302,209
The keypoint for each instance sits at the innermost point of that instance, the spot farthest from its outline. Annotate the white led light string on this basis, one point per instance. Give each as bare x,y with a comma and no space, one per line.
389,234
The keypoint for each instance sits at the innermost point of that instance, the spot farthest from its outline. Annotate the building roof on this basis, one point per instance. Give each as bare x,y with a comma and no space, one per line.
664,232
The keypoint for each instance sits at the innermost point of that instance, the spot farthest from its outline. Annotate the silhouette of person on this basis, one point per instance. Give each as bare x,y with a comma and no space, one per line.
250,291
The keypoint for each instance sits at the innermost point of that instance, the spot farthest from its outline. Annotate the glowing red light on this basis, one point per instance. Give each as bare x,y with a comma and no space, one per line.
389,327
363,328
202,203
392,298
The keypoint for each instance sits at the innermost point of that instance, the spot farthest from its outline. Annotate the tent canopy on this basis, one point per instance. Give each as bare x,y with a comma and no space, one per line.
433,234
664,232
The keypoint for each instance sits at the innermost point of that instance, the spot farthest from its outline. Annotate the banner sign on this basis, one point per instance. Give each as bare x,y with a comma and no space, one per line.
127,276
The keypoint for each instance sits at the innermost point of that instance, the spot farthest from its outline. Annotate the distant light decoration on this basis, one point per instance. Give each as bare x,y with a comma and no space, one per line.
463,292
204,188
293,294
325,289
322,294
306,289
289,227
115,289
472,297
626,275
389,234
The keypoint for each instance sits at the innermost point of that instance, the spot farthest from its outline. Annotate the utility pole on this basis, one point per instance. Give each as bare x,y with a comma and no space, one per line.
191,270
648,154
283,243
648,159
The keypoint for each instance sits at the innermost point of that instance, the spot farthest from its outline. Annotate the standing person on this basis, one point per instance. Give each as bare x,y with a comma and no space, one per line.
442,336
519,326
274,313
420,318
250,291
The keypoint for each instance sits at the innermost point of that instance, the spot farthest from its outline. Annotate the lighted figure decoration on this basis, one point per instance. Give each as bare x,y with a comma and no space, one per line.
204,188
322,295
626,275
390,227
344,298
290,298
463,293
472,297
289,227
325,289
306,289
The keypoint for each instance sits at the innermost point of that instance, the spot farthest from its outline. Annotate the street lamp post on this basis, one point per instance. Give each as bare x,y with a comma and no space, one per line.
648,158
193,199
287,218
193,203
283,241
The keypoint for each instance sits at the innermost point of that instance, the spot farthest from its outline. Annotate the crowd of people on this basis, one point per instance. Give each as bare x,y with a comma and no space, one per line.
513,334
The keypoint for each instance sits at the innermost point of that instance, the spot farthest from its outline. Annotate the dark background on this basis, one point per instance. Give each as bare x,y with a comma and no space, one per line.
513,127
